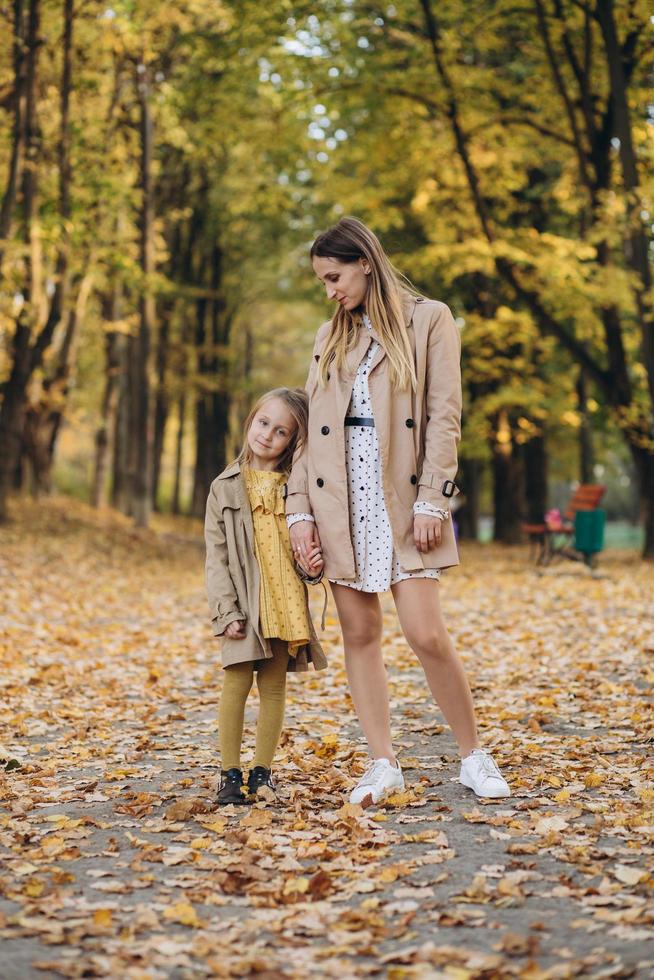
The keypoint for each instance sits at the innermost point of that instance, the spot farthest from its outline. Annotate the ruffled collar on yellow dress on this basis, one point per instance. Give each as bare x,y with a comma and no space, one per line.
265,490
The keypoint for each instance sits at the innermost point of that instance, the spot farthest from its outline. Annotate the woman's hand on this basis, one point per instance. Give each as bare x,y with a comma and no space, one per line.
236,630
307,550
426,532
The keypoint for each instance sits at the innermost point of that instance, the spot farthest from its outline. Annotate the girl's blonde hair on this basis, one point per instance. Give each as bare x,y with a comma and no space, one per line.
297,403
349,240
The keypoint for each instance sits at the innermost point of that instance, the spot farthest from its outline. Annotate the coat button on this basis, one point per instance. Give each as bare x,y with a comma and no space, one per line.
325,430
414,479
320,481
409,423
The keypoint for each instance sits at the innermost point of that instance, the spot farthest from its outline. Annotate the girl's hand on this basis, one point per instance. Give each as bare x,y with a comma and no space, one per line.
314,559
426,532
236,630
305,540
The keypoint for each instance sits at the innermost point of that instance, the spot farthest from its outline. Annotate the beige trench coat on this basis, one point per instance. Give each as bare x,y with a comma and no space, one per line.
418,435
232,576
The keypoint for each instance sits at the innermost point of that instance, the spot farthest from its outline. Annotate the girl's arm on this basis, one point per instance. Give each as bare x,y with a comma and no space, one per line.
223,601
443,404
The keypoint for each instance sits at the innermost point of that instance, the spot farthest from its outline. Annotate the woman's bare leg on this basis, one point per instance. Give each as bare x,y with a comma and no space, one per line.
419,610
361,623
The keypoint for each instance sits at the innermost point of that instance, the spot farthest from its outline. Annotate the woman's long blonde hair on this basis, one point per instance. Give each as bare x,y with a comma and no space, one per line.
349,240
297,403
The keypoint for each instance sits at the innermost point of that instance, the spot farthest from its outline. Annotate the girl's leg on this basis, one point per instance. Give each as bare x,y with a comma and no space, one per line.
237,681
271,681
419,610
361,623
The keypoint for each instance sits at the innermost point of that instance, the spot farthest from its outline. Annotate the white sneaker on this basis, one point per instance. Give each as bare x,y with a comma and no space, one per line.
479,772
380,779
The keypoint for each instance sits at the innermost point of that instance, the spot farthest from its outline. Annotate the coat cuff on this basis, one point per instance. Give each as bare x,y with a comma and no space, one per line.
221,621
431,486
298,503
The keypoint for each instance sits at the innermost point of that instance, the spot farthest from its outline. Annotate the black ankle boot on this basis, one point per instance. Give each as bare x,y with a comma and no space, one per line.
230,790
259,776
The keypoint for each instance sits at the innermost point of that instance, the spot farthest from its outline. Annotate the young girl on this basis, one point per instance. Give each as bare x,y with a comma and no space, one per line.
257,598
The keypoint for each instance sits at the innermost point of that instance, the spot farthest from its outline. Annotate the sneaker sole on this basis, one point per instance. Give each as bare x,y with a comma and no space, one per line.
369,799
485,796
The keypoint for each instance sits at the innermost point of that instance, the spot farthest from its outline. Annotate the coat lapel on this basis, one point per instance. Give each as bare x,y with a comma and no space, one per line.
235,495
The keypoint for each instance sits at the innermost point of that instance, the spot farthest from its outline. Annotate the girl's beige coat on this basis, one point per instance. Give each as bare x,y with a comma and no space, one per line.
232,575
418,435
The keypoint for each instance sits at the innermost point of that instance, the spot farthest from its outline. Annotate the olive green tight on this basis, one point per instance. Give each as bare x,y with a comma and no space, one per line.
237,682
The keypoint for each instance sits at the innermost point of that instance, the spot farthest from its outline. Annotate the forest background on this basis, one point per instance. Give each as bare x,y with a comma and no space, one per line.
164,168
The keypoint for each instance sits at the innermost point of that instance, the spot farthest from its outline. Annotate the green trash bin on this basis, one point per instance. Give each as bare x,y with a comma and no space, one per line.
589,532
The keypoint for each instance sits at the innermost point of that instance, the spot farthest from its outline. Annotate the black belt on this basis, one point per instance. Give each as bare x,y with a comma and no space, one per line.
353,420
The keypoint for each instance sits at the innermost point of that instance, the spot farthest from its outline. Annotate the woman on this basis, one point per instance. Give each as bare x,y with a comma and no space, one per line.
372,487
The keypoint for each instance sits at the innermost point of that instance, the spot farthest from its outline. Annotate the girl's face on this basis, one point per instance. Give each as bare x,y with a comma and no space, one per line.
270,432
346,282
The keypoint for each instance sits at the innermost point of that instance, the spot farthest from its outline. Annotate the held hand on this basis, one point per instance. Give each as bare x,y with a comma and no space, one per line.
314,559
236,630
305,542
426,532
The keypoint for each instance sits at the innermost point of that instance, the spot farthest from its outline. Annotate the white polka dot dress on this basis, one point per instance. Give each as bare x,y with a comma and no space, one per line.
376,565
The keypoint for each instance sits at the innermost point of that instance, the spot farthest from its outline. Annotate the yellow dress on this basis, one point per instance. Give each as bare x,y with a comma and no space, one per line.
283,611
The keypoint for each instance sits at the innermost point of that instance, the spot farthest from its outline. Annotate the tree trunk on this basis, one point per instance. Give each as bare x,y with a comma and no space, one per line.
586,455
103,436
507,483
644,462
179,449
44,418
161,400
638,252
142,427
18,129
203,449
467,513
506,497
213,405
534,454
121,487
24,357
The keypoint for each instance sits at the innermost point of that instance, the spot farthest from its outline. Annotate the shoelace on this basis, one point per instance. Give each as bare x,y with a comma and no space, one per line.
489,765
370,775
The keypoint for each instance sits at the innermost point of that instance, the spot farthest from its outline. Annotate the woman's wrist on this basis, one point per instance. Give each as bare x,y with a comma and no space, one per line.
292,519
424,508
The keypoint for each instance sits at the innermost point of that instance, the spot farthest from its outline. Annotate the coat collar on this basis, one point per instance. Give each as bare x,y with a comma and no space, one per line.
233,469
408,307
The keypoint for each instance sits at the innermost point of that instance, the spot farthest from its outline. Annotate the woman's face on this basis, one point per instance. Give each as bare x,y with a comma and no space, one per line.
346,282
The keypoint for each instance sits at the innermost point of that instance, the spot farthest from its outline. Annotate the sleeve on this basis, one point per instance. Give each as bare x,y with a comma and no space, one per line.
221,593
297,499
309,579
443,403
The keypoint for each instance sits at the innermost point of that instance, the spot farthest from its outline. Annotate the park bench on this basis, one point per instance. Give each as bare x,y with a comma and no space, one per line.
554,537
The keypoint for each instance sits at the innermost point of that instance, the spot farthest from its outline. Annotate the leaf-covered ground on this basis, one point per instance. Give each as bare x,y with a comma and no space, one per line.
115,863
